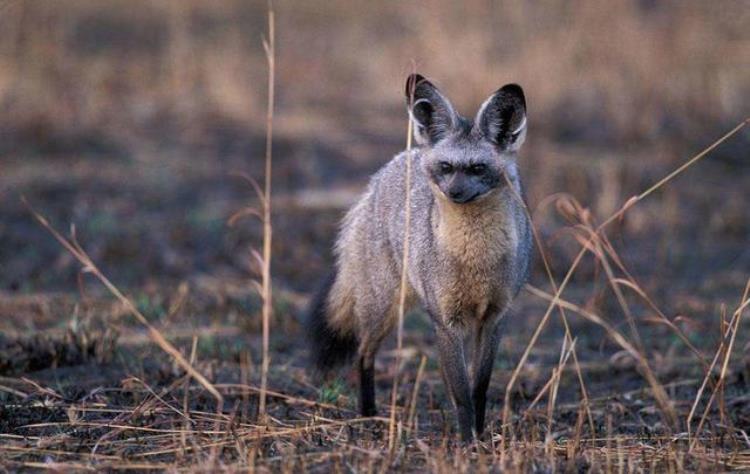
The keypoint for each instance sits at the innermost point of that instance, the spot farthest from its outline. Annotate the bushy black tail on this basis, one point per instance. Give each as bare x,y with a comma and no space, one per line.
328,346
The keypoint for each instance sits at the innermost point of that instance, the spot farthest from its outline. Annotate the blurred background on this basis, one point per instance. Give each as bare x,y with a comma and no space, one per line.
128,118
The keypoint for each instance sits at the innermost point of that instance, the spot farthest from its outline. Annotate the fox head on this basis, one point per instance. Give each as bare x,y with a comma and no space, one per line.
467,160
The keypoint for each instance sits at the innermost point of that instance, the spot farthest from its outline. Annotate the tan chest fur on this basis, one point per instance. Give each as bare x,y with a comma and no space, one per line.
478,240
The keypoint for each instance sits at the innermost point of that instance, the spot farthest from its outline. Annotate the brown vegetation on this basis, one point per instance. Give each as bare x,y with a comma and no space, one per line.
628,351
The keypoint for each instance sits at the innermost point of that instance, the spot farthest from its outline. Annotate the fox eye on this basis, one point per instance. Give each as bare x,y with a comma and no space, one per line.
445,167
478,168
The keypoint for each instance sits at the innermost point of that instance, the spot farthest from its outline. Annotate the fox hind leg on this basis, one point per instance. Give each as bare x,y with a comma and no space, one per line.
367,387
371,339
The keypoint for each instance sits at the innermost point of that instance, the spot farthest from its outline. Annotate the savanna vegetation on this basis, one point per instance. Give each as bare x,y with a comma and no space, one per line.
132,303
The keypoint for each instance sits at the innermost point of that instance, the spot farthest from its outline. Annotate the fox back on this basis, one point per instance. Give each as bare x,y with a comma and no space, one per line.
468,243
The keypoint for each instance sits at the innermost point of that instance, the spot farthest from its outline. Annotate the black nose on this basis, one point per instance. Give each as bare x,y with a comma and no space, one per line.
456,194
460,196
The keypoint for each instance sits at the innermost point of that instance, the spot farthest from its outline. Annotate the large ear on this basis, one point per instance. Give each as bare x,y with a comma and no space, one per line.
431,113
502,118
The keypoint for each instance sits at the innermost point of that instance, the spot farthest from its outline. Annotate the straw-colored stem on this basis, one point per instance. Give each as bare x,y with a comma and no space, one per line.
269,46
402,290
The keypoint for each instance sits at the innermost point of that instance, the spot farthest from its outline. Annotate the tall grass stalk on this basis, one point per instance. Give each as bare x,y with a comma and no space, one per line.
269,46
403,286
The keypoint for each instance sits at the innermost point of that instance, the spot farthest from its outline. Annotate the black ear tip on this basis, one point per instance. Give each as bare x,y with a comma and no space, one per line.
415,77
412,82
514,91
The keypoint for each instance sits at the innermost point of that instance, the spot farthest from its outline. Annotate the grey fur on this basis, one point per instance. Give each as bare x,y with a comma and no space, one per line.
469,242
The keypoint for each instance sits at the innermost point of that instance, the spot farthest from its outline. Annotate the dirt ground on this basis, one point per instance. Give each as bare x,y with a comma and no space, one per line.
84,387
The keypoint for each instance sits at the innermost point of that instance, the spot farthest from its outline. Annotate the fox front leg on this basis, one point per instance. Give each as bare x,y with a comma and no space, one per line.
453,365
487,338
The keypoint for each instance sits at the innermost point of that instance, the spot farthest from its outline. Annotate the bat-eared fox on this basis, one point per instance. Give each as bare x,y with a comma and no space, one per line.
469,247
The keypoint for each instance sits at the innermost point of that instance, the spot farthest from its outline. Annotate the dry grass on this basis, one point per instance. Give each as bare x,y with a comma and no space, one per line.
636,375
